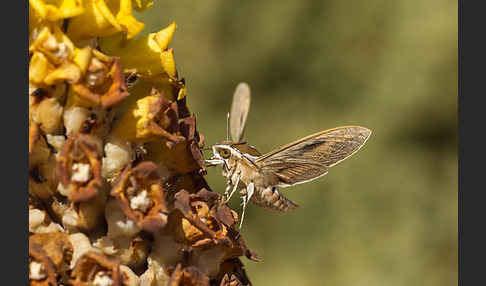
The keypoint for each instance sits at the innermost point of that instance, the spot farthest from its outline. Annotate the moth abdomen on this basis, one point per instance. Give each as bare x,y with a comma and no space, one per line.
270,198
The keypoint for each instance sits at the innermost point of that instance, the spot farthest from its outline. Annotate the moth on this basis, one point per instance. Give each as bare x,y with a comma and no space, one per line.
258,177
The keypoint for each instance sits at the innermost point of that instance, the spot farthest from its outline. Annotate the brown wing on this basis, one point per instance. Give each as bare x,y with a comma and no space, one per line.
239,111
310,157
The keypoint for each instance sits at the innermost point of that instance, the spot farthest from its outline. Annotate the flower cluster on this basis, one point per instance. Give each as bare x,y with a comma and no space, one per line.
117,194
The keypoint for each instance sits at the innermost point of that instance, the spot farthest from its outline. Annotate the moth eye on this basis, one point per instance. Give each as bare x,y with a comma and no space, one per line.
225,153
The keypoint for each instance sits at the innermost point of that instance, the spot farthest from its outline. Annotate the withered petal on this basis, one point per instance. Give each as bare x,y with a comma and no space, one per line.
223,214
118,90
182,203
233,273
208,196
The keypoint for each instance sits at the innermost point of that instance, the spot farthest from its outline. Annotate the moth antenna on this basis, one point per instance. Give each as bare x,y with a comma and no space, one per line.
227,126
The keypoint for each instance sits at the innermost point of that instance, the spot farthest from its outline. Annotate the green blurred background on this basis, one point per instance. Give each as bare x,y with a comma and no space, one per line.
386,216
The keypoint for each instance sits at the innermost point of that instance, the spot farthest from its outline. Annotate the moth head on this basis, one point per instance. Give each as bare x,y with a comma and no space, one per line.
224,151
228,153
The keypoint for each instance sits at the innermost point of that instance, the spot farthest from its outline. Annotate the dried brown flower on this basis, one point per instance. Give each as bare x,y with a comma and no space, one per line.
79,167
103,84
149,118
139,191
183,157
96,269
53,251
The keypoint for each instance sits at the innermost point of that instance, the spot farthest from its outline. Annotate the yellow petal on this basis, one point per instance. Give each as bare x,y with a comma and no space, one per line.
82,58
66,72
128,128
127,21
168,63
164,36
143,55
53,10
104,18
39,68
182,93
53,43
73,99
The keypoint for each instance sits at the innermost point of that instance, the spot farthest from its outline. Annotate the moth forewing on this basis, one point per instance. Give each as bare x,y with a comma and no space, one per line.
239,111
310,157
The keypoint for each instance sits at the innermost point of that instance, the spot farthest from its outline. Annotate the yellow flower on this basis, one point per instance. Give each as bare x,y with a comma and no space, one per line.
104,18
53,43
52,52
53,10
148,118
148,55
102,83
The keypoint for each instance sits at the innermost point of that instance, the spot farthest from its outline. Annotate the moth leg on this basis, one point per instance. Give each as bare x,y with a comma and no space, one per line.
250,189
243,212
235,187
226,192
